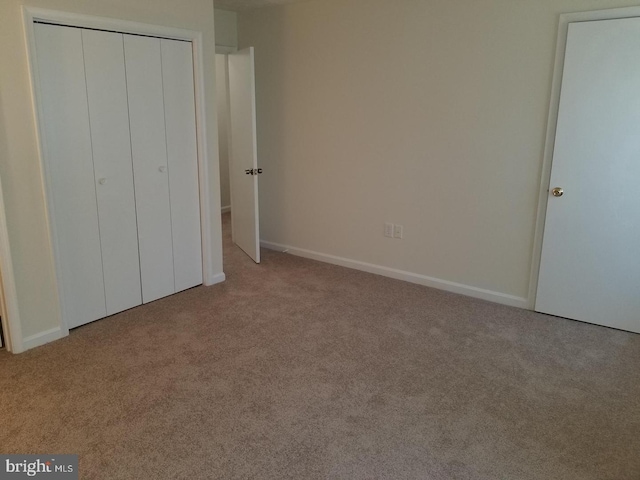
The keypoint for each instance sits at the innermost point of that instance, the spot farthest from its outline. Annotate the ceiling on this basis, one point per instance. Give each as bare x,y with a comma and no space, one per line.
246,4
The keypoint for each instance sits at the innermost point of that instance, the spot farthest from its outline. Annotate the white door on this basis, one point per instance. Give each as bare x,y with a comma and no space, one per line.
69,170
182,157
151,176
109,120
590,266
119,130
243,158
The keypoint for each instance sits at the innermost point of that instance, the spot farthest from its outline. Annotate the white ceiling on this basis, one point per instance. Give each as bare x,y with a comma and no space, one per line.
246,4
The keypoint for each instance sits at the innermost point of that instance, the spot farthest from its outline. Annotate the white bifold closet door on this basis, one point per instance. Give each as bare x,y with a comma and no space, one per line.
163,141
109,120
71,180
149,150
118,117
182,159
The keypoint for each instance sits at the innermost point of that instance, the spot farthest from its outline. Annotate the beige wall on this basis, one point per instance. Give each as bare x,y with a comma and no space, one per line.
19,162
226,28
223,128
426,113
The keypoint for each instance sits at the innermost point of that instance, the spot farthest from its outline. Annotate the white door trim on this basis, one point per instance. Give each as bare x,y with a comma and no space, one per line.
10,315
545,177
30,15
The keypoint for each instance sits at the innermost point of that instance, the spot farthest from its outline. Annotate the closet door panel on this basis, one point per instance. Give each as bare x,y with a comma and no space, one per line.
148,146
69,169
182,153
109,116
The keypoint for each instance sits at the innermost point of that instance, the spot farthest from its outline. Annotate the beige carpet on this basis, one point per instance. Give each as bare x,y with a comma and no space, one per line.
298,369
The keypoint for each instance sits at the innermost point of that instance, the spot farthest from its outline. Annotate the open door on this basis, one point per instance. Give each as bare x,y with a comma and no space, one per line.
243,154
590,267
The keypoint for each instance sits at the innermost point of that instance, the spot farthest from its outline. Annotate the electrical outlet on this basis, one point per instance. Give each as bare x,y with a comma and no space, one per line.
397,231
388,230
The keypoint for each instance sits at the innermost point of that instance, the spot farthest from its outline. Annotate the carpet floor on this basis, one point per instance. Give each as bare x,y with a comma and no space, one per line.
295,369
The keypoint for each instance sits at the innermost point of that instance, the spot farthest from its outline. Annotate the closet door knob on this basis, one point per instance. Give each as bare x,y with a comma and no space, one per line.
102,181
162,169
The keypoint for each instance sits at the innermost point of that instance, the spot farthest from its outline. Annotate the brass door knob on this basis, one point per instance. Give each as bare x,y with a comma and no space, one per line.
557,192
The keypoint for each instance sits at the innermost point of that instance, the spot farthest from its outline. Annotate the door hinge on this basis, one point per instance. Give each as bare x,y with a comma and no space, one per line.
253,171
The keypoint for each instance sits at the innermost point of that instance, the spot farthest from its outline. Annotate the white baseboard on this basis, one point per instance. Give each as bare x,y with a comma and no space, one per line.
454,287
218,278
226,209
41,338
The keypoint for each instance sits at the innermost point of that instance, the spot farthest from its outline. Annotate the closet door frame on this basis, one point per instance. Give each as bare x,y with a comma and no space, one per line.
32,15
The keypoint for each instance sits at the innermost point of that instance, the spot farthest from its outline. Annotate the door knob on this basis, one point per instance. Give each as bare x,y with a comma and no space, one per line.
162,169
557,192
102,181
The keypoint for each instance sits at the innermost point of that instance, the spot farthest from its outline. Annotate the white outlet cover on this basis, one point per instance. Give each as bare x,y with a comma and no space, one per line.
397,231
